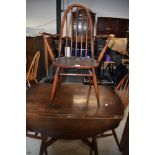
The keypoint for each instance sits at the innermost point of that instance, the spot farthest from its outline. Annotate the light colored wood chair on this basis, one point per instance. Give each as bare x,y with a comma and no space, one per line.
78,52
32,75
32,71
122,89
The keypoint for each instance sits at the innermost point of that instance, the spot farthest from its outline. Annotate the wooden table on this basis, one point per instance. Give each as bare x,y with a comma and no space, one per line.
74,113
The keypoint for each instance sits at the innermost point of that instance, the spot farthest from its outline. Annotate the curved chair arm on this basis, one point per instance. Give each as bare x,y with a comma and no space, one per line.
104,48
44,34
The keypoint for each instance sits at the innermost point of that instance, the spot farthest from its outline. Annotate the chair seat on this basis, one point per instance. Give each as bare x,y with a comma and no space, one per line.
75,62
31,76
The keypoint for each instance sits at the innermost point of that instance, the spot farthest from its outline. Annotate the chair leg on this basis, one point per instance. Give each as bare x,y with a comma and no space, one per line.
54,84
116,139
89,81
89,90
60,77
96,86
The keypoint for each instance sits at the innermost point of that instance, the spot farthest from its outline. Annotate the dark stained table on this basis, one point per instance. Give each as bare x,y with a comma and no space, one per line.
74,113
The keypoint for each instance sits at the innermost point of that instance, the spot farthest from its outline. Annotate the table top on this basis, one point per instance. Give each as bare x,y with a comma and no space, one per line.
73,115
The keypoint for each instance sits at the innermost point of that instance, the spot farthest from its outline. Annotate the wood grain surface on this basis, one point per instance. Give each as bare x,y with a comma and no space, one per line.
74,113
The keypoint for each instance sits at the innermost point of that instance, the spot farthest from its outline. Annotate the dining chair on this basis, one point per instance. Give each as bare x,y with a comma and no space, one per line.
122,89
32,71
75,47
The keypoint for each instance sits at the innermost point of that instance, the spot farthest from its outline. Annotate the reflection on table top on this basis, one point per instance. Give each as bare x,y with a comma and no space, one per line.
72,111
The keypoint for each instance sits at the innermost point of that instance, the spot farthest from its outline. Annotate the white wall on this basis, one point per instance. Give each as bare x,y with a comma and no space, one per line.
107,8
41,14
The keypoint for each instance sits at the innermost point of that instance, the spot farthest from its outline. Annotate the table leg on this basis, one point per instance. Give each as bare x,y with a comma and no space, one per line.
116,139
95,86
89,90
94,142
43,148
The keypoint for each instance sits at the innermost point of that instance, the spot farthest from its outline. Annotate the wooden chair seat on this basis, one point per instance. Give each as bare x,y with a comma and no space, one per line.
76,62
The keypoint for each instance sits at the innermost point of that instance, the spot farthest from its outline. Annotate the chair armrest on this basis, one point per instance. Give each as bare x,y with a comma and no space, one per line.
50,51
44,33
104,48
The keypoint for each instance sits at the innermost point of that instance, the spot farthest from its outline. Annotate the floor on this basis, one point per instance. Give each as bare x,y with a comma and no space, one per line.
106,146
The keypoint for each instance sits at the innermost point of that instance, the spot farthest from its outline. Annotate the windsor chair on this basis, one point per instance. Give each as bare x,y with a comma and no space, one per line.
78,52
122,90
32,71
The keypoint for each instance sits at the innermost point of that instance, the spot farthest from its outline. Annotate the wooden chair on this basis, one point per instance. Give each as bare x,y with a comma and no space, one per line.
31,75
122,89
32,71
78,52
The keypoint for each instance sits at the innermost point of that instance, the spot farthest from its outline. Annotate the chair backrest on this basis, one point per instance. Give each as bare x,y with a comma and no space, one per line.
32,71
76,36
78,30
122,89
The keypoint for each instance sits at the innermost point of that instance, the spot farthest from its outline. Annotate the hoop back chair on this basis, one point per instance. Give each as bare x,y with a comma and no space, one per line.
78,52
32,71
122,89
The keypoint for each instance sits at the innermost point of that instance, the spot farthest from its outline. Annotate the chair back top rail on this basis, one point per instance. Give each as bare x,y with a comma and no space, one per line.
77,39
